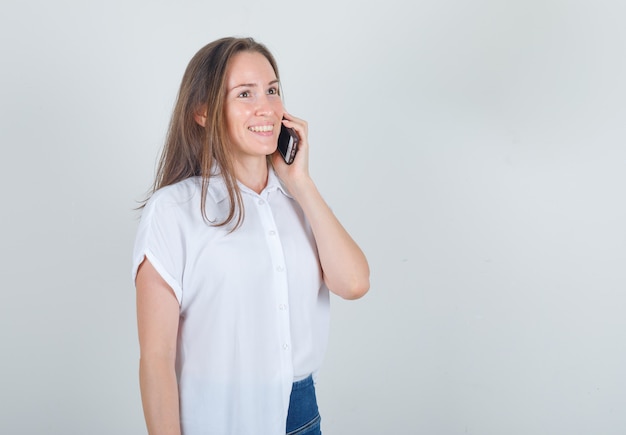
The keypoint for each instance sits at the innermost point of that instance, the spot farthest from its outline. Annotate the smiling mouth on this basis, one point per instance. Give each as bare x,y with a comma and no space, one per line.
261,128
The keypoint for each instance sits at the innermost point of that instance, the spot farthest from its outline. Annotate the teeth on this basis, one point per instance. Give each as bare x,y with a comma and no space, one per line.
261,128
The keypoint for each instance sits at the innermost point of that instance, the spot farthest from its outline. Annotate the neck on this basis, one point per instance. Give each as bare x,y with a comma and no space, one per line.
252,173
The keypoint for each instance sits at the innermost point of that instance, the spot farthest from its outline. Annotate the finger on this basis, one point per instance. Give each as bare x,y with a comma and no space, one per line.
297,124
290,118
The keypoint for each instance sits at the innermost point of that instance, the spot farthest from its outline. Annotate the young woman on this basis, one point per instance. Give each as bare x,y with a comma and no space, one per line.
234,257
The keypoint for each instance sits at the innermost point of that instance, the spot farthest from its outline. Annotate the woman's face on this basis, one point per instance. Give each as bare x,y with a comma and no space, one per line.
253,106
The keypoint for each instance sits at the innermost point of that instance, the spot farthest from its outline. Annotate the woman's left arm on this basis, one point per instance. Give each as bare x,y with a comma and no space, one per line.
344,266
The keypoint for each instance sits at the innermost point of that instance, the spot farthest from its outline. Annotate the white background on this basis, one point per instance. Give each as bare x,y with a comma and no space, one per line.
475,149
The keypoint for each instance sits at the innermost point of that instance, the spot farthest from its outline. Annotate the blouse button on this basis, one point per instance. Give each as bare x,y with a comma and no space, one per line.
280,268
272,233
261,202
286,346
282,307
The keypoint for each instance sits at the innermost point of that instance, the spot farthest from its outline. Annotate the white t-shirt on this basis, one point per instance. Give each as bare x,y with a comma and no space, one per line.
254,310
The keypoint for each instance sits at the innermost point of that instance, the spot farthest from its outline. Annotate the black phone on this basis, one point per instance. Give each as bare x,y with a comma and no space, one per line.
287,143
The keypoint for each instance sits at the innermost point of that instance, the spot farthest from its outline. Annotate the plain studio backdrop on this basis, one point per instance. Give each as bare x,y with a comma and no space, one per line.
475,149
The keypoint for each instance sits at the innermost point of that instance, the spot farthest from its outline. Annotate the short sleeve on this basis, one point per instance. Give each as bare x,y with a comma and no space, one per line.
160,239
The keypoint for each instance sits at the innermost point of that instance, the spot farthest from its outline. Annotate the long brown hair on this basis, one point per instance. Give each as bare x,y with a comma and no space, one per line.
190,149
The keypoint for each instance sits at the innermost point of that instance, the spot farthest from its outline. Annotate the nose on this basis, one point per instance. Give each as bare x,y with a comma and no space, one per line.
265,106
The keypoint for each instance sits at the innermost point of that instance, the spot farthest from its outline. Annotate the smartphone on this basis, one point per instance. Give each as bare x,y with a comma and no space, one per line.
287,143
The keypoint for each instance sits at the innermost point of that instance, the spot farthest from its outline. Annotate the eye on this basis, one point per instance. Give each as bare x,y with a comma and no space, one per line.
272,91
244,94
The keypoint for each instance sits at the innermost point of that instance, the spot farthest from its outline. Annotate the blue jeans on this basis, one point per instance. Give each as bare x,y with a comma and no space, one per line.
303,417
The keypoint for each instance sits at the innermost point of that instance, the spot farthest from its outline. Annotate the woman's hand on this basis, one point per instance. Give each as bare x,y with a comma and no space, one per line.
298,171
344,266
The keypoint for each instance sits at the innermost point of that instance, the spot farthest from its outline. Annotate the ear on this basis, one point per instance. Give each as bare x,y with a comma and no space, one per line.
200,118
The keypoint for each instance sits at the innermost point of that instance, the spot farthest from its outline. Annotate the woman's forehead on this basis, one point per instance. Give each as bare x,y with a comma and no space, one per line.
249,68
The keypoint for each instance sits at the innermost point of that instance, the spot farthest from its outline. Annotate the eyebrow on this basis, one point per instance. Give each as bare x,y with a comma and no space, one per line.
252,85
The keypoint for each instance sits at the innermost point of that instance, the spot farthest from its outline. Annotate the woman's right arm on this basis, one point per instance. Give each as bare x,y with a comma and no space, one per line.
157,321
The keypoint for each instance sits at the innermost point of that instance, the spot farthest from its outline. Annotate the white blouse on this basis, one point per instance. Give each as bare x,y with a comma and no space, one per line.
254,310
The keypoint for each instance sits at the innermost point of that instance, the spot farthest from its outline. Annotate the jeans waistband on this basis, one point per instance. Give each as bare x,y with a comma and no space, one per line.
303,383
